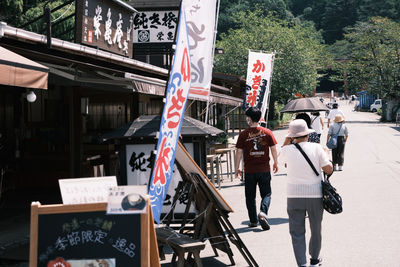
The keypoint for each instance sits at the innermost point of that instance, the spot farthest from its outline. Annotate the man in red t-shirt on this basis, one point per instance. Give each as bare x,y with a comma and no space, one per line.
254,144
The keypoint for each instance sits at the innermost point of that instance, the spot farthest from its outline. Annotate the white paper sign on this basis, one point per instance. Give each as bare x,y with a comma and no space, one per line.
127,199
86,190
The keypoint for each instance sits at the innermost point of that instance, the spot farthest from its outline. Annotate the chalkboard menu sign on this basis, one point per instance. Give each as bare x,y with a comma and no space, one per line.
84,235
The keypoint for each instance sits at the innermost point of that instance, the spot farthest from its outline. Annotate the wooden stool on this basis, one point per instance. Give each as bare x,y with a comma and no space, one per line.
180,244
214,160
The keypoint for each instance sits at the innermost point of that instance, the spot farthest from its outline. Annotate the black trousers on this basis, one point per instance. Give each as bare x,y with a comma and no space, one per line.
338,152
263,179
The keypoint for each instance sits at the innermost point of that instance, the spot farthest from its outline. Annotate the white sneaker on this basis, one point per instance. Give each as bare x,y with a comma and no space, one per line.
262,218
340,168
335,167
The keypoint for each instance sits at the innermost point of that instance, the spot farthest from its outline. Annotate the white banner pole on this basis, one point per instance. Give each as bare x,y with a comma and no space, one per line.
265,112
212,56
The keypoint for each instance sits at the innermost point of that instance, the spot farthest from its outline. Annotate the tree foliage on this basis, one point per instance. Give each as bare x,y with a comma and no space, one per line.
228,8
337,15
299,52
333,16
19,12
8,9
375,60
382,8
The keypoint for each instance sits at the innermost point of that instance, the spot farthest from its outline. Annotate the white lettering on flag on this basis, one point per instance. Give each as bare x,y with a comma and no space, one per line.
200,19
259,72
171,120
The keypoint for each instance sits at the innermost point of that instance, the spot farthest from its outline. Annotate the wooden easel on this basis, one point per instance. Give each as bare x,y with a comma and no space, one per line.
213,223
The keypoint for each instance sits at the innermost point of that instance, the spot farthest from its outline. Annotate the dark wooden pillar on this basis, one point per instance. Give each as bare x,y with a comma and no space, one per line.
75,125
134,106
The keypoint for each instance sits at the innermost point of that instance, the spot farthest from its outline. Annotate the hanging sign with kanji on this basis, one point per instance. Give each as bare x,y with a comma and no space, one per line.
105,24
155,26
171,120
259,72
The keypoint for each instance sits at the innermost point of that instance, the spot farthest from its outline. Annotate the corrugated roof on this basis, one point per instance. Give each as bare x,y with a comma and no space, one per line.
151,4
149,125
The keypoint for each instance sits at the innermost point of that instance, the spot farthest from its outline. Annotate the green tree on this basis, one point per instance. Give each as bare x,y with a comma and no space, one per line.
382,8
338,15
311,10
228,8
332,16
297,7
57,31
299,52
8,9
375,61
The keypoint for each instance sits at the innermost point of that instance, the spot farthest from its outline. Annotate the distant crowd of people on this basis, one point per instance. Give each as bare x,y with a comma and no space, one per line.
304,190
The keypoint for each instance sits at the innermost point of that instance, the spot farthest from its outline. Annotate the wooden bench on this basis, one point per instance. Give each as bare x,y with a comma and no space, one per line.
180,244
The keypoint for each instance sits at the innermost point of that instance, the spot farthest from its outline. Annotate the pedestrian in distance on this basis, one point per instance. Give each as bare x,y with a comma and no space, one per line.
339,127
317,124
304,191
254,145
334,111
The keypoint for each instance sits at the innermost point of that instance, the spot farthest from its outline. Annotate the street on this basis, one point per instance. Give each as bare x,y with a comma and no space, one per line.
367,233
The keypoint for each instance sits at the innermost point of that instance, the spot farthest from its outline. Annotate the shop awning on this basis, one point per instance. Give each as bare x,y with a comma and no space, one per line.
16,70
93,77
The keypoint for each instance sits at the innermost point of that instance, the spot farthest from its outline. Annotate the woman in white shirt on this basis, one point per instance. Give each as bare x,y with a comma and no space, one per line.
317,123
304,191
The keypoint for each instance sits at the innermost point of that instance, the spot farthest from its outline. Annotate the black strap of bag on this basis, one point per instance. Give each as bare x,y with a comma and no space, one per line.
337,134
314,119
307,158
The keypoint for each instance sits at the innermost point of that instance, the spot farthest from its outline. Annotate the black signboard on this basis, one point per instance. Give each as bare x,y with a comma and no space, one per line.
105,24
155,26
84,235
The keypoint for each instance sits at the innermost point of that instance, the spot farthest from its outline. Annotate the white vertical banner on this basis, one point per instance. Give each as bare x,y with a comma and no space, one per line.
259,72
200,20
171,119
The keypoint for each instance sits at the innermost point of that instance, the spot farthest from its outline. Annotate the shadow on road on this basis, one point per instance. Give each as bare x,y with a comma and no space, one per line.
233,185
277,221
280,174
248,229
396,128
206,261
366,122
271,221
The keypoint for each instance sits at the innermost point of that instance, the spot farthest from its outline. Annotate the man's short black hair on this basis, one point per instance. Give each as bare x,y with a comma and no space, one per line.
254,114
335,105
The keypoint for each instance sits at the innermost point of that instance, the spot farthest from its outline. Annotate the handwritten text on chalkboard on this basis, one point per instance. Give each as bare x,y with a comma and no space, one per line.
83,235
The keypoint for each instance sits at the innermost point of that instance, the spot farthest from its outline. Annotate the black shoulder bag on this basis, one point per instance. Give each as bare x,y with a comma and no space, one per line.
331,199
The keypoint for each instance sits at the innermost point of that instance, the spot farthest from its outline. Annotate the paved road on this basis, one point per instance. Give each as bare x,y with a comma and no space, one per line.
367,233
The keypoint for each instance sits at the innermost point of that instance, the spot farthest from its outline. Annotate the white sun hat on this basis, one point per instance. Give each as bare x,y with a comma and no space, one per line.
298,128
